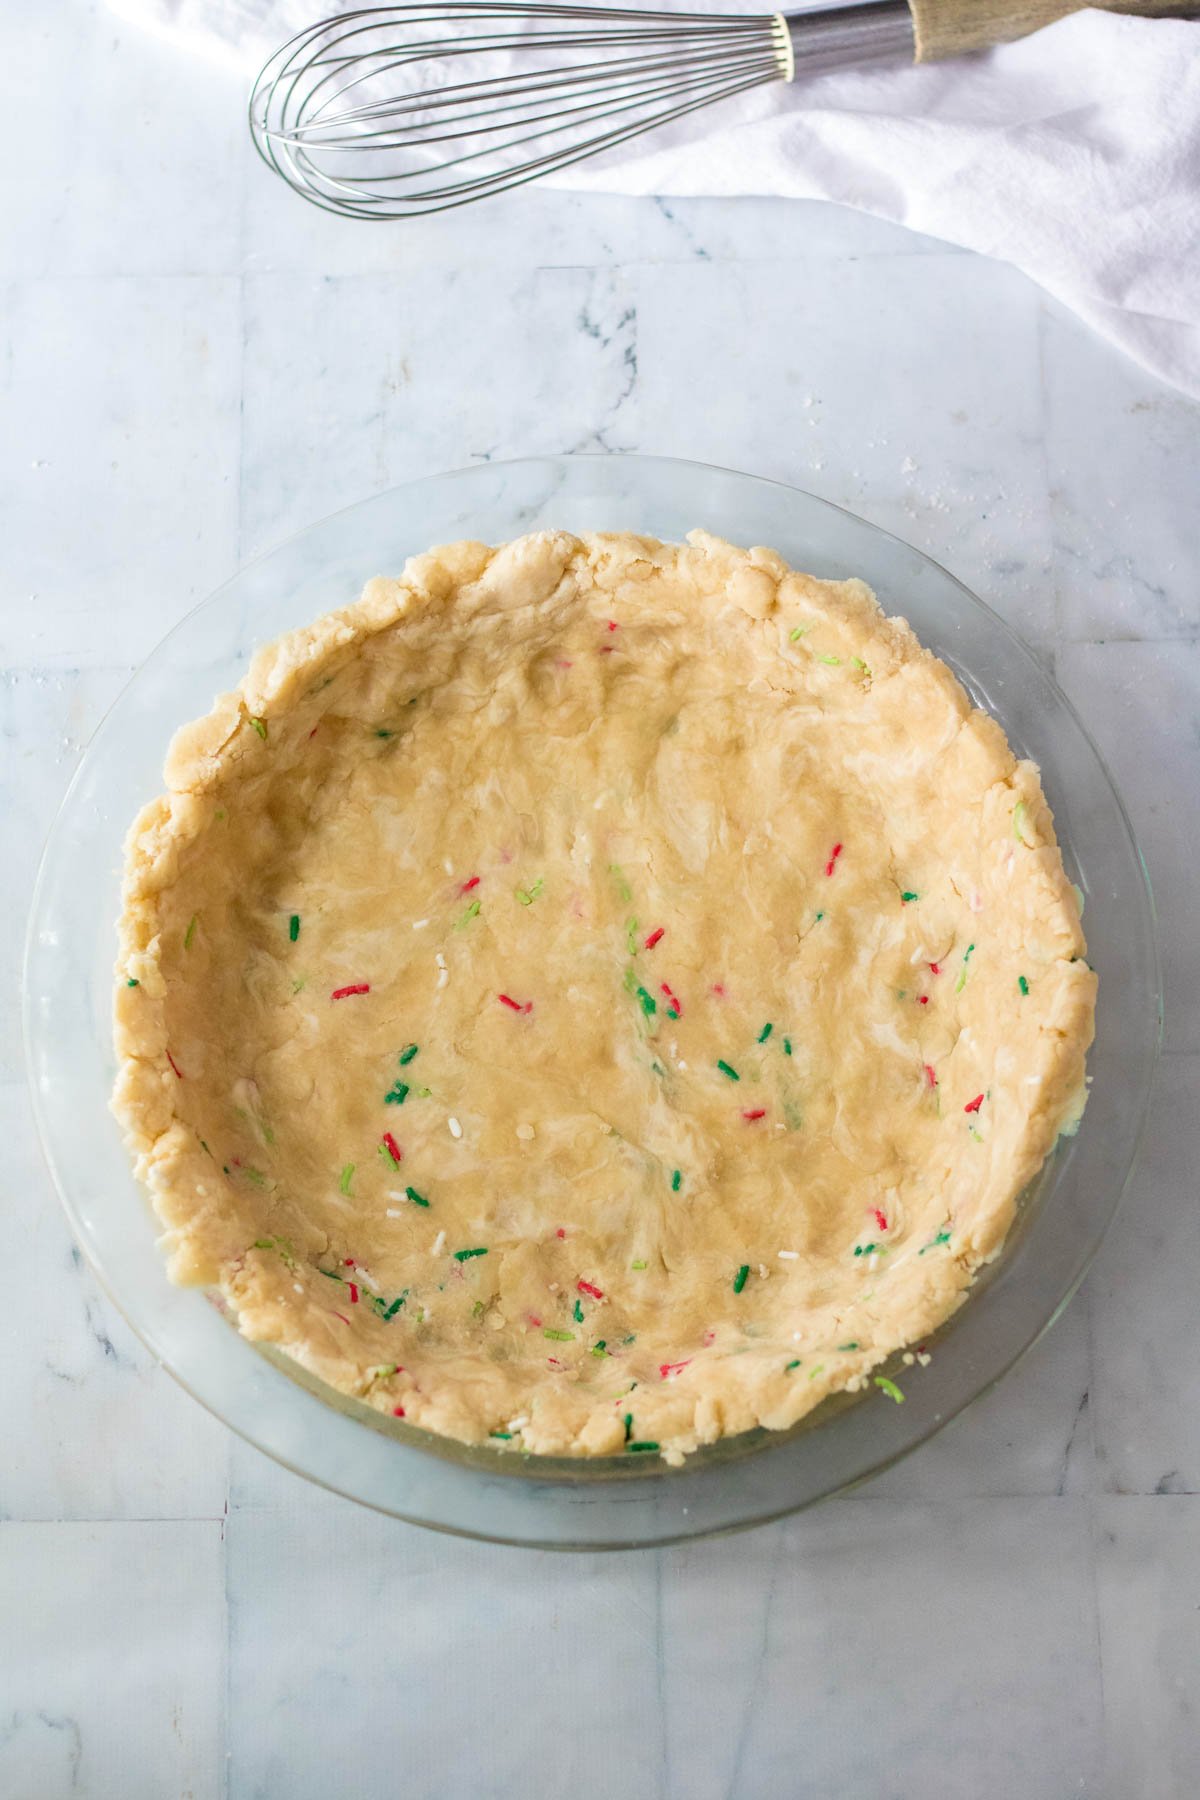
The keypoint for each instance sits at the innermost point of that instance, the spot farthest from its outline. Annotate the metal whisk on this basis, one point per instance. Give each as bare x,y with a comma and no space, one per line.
386,112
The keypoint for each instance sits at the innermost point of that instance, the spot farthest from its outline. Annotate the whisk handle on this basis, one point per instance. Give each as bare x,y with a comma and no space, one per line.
951,27
842,37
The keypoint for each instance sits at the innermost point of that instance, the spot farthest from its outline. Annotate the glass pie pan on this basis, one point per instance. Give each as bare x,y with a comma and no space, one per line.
485,1492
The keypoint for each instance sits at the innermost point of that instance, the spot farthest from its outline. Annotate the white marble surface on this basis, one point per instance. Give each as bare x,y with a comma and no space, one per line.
192,366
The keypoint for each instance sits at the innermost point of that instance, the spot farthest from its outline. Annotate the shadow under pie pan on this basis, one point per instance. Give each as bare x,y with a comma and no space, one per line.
486,1492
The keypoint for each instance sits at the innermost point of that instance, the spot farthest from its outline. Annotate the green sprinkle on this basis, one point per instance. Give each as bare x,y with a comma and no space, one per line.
642,1446
331,1273
472,912
631,936
623,887
629,1340
132,981
294,927
598,1348
853,1346
820,916
260,725
407,1054
477,1310
1022,984
835,662
739,1280
797,632
397,1303
384,1370
961,983
638,1265
860,664
676,1180
220,813
628,1422
905,898
559,1337
578,1314
726,1070
649,1004
397,1095
423,1093
500,1434
344,1183
943,1237
819,1370
792,1365
420,1200
1080,899
297,985
974,1134
383,734
889,1388
630,981
1018,819
765,1033
787,1046
255,1177
527,896
263,1244
466,1255
190,933
204,1146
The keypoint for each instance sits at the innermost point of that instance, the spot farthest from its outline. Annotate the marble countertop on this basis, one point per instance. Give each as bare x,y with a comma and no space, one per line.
194,364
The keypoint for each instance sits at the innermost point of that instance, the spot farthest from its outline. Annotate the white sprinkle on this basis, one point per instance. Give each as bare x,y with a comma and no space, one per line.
200,1188
420,924
393,1212
297,1288
908,1359
763,1271
439,1244
924,1358
448,866
525,1133
681,1064
788,1255
518,1424
444,978
455,1128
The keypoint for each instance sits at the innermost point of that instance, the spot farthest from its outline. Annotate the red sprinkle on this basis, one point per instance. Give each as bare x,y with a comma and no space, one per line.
397,1412
348,1262
880,1218
935,968
353,1293
468,885
585,1287
357,987
653,938
175,1065
605,650
392,1147
676,1003
341,1316
833,856
930,1077
507,1000
756,1112
612,624
533,1318
718,987
560,1232
665,1369
922,999
974,1105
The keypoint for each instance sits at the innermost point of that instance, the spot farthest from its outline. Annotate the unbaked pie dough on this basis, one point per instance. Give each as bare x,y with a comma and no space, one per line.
593,996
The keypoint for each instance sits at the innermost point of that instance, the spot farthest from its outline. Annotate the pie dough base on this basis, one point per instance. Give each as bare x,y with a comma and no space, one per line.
478,793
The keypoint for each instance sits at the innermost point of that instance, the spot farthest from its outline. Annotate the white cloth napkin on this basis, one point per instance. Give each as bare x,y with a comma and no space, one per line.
1074,154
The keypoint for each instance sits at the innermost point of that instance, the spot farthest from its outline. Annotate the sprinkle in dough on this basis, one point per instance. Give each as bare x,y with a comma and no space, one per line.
757,921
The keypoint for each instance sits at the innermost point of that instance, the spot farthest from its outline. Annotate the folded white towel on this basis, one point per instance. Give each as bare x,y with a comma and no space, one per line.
1074,154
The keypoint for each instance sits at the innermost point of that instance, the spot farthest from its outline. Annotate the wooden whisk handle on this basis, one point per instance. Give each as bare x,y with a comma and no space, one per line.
951,27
